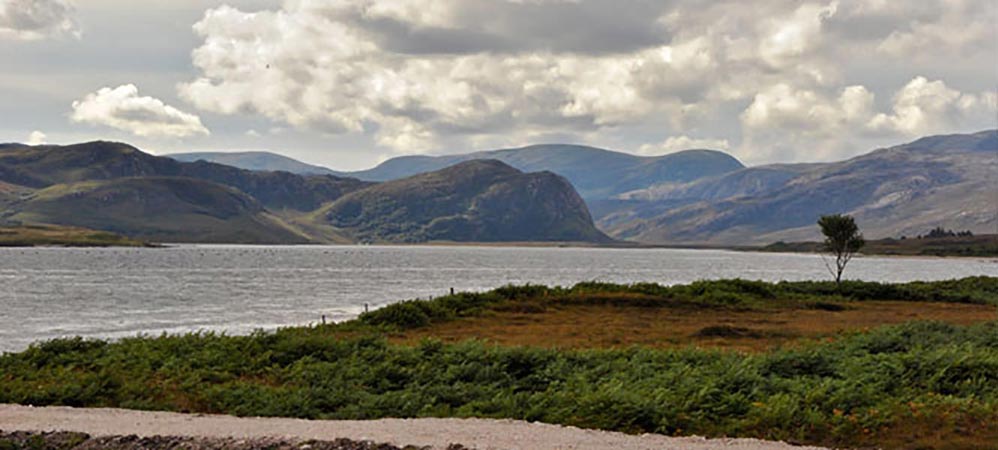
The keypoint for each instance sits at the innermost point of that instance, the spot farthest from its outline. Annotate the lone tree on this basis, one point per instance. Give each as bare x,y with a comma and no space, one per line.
842,239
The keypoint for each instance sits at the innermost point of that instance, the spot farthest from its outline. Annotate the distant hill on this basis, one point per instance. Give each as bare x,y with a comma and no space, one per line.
595,173
944,181
473,201
163,209
42,166
257,161
115,187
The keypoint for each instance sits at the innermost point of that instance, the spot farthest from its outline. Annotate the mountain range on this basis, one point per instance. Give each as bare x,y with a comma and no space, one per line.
116,187
949,181
708,197
258,161
596,173
536,193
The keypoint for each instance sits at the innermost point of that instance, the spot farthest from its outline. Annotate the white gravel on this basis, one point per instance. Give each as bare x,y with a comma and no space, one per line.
480,434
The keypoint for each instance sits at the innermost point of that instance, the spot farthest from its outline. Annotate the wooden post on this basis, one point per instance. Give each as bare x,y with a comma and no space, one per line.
451,291
365,307
323,319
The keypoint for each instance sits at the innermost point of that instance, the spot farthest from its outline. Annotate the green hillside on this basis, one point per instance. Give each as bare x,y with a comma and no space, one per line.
480,200
162,209
596,173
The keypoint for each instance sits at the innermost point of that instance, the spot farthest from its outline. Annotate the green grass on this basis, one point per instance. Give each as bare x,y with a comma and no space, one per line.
926,385
54,235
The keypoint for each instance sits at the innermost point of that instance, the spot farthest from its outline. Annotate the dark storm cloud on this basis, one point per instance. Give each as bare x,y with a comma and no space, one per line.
592,27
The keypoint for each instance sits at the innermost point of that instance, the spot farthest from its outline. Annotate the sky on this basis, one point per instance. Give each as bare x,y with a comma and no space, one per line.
350,83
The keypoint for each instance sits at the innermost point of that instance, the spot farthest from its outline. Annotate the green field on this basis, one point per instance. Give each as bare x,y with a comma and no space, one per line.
912,385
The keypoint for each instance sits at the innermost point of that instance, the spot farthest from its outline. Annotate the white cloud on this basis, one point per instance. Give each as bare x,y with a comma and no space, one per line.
783,121
678,143
122,108
36,138
786,39
955,26
926,107
784,107
36,19
343,68
422,75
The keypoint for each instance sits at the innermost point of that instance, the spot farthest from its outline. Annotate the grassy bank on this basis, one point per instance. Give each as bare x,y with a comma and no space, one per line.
924,384
59,236
984,245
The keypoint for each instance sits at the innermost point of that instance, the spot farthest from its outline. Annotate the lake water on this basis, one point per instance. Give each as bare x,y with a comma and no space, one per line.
51,292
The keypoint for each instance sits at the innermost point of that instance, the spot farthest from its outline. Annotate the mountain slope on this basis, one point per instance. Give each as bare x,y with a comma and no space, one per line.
740,183
595,173
165,209
47,165
474,201
944,181
256,161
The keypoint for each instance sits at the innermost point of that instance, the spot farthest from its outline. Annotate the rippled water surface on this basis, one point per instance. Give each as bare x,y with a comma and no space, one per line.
51,292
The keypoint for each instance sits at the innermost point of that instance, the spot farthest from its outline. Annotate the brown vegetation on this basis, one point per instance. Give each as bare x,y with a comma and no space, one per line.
609,326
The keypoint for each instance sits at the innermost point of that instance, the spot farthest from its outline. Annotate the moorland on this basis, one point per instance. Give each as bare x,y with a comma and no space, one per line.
911,365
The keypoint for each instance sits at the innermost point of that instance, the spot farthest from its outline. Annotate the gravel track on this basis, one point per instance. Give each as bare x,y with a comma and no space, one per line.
480,434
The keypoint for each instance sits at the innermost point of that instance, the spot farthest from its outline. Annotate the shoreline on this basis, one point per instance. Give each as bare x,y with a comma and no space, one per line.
57,236
508,245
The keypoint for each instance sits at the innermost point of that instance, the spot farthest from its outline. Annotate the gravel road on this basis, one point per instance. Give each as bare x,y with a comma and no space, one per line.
480,434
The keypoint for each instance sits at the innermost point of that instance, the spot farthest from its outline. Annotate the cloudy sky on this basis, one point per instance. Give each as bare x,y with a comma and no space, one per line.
348,83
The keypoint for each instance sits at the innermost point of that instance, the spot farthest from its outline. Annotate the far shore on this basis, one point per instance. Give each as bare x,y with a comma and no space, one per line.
45,235
979,246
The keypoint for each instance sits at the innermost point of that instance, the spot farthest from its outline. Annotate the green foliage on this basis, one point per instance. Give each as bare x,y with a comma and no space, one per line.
841,233
979,290
842,240
419,313
819,393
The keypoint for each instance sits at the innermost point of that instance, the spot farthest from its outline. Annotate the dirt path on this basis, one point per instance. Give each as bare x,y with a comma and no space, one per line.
438,433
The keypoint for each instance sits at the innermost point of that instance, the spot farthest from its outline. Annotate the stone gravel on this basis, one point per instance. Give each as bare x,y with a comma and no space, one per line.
481,434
